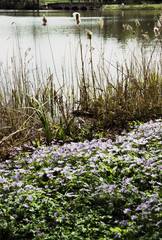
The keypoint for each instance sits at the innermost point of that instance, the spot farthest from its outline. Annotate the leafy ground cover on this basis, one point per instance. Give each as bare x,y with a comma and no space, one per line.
99,189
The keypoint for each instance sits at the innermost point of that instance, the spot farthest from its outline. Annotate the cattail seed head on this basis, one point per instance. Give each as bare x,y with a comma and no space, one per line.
76,15
127,27
156,31
89,34
101,23
124,26
137,23
44,20
146,36
158,24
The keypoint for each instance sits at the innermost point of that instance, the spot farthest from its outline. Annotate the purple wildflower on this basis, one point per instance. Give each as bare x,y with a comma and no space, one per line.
37,231
26,220
117,236
142,181
25,205
123,222
145,213
55,214
29,198
5,187
126,211
64,219
158,223
134,217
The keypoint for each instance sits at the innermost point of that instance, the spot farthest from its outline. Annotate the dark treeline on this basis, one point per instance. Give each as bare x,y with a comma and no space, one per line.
34,4
19,4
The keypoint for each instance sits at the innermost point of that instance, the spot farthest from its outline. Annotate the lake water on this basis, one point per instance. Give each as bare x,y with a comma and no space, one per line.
54,48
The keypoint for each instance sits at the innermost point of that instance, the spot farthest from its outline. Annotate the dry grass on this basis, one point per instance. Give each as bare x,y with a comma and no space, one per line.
31,114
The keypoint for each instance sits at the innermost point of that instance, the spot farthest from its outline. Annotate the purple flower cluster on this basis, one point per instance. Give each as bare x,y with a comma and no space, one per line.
125,170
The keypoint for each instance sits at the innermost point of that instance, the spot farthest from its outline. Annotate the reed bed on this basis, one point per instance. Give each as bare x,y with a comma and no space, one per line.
33,110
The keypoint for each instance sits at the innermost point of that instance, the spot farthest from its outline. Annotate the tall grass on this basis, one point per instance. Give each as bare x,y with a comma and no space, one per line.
33,110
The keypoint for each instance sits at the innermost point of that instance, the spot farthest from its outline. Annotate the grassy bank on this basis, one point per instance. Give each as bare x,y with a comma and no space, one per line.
133,7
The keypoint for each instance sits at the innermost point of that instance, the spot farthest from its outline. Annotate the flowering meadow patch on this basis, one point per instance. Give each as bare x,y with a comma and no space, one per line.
99,189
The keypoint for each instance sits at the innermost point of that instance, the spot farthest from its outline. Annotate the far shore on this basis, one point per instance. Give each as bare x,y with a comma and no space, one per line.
116,6
133,7
145,6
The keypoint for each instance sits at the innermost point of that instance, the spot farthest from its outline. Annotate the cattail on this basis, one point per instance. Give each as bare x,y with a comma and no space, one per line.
101,23
124,26
158,24
146,36
89,34
127,27
44,20
137,23
76,15
156,31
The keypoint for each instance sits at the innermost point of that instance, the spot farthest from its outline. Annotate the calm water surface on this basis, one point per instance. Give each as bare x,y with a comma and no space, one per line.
55,47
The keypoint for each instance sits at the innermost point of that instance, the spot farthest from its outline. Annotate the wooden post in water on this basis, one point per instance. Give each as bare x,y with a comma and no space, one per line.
37,4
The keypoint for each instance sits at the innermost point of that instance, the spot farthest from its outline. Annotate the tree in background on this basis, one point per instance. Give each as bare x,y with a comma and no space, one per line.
25,4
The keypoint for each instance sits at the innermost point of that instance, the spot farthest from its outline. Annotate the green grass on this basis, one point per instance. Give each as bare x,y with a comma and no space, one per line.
133,7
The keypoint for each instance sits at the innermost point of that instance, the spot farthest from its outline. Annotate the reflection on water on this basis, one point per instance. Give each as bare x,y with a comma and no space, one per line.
55,43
